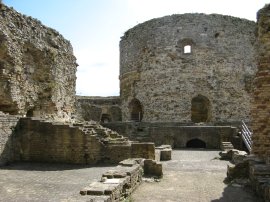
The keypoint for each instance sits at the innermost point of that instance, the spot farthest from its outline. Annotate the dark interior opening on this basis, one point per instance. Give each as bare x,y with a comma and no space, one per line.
196,143
105,118
30,113
200,106
136,112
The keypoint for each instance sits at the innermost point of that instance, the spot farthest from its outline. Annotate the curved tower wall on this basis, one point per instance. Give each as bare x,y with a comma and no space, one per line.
172,83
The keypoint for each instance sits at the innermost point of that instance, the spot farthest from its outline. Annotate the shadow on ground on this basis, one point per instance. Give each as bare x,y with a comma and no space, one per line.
238,194
33,166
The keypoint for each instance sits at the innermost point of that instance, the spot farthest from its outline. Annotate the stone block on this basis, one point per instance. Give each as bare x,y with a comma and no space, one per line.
152,168
143,150
166,154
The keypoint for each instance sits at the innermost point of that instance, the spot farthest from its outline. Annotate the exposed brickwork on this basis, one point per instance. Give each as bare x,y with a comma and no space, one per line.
261,95
212,83
7,126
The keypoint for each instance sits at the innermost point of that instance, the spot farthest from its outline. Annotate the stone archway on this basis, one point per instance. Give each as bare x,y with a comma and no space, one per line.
105,118
135,109
196,143
200,109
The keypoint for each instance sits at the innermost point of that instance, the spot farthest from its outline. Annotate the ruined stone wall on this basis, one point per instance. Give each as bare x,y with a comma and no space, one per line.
38,140
161,80
176,134
7,127
102,109
261,96
37,68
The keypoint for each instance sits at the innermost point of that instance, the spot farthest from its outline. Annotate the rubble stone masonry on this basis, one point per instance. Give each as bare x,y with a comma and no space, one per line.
261,96
37,68
190,67
7,127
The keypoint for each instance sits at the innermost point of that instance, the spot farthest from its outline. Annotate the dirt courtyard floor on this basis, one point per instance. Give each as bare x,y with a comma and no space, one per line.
193,176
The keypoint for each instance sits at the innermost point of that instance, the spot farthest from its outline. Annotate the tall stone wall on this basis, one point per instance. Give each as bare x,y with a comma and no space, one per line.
101,109
261,95
191,67
37,68
7,128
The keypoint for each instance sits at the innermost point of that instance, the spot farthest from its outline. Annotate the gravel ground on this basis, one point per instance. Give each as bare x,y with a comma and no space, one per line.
193,176
34,182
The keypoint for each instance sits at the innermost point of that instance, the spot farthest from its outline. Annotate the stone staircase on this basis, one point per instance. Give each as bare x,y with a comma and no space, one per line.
79,142
225,146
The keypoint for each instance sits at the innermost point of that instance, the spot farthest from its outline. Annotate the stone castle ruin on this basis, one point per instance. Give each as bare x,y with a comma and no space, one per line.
37,102
185,81
187,68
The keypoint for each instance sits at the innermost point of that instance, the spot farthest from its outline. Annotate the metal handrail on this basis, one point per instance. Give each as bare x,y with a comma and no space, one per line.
246,135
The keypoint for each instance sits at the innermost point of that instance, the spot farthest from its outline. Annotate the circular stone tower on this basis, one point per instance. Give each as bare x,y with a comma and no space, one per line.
188,68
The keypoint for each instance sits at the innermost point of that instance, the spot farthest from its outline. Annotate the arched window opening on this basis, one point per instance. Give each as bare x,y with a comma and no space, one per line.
200,109
30,113
136,112
196,143
187,49
105,118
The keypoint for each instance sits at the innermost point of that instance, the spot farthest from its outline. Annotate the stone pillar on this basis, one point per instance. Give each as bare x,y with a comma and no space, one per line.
260,109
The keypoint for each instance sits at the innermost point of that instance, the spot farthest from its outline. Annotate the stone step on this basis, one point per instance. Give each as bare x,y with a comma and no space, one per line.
226,146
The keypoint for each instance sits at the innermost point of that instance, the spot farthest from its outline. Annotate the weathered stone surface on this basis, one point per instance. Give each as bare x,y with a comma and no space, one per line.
261,95
143,150
152,168
7,127
174,133
159,82
37,68
84,143
118,184
240,170
102,109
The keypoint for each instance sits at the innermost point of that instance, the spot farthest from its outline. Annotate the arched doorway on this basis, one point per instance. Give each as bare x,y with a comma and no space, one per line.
105,118
135,108
196,143
200,109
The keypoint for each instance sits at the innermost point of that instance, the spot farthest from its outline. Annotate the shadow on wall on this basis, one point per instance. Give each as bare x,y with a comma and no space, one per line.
6,152
7,132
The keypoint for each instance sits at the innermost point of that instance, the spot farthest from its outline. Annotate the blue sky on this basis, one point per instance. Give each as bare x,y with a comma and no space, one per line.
94,28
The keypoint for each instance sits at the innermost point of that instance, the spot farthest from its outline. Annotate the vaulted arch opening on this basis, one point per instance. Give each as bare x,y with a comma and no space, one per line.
136,111
200,109
105,118
196,143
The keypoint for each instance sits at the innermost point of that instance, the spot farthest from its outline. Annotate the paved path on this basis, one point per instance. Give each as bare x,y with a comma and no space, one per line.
26,182
193,176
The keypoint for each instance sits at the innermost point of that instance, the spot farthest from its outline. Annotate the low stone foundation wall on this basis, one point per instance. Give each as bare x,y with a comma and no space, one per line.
176,134
119,183
7,126
81,143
